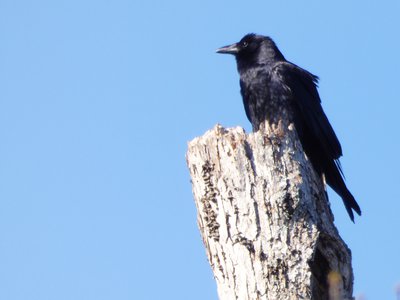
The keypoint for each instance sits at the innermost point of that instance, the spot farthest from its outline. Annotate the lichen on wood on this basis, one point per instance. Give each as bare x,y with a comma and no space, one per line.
264,217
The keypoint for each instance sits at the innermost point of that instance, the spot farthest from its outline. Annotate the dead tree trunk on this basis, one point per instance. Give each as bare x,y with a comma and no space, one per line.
265,219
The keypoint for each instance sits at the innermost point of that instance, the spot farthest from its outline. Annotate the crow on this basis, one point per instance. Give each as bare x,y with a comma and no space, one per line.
274,89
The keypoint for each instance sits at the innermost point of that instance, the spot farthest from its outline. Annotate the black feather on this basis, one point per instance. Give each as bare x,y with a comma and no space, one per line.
274,89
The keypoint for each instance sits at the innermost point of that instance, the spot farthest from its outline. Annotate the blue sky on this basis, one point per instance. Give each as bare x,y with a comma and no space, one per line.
98,100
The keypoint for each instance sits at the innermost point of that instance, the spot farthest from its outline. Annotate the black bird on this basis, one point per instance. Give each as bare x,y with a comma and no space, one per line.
274,89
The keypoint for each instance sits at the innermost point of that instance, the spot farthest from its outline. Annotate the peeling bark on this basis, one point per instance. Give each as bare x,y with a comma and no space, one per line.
264,217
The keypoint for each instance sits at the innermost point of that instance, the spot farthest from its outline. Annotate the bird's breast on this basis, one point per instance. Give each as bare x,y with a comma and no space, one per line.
264,100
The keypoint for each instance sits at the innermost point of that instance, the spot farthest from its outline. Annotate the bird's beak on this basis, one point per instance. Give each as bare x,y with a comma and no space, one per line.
231,49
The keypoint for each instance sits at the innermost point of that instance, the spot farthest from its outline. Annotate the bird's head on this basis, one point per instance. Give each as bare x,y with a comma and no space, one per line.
253,49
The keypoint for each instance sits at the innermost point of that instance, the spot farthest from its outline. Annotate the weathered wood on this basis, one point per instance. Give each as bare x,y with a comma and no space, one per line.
264,217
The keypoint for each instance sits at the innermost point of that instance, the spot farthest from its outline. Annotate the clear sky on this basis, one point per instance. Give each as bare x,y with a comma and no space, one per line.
98,100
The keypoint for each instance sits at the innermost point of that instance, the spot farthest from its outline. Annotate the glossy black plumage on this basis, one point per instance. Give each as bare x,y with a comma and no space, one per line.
274,89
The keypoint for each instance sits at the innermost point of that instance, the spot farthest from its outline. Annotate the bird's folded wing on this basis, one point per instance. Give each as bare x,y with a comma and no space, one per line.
303,88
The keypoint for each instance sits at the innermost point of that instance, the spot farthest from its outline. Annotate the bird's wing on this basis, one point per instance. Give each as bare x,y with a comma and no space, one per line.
303,88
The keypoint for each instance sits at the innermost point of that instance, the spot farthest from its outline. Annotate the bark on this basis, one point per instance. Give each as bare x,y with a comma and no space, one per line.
264,217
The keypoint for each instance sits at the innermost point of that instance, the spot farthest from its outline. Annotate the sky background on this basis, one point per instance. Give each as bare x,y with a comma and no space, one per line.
98,100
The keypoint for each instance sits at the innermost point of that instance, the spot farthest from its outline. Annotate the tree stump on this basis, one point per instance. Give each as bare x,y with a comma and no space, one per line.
264,217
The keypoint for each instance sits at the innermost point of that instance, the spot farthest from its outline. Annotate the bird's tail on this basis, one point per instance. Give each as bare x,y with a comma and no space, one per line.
336,182
350,203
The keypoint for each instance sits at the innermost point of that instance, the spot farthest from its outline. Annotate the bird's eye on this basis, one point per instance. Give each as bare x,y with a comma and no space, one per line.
245,44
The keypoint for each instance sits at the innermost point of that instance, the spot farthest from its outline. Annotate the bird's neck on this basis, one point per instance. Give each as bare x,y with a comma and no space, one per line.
265,61
251,70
